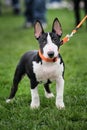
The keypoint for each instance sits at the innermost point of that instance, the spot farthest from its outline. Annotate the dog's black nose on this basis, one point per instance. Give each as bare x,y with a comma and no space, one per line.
51,54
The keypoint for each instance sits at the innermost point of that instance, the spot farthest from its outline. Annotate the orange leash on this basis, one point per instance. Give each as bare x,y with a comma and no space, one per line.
68,36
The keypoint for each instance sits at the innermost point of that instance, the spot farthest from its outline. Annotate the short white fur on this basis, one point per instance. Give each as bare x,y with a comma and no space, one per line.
47,70
35,103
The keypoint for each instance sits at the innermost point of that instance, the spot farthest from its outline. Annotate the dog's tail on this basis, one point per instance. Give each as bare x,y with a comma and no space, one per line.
20,71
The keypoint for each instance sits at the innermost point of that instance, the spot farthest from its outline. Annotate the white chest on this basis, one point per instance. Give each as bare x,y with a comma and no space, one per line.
46,71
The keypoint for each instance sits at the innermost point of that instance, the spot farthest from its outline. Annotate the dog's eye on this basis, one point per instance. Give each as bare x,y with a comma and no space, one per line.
44,41
54,40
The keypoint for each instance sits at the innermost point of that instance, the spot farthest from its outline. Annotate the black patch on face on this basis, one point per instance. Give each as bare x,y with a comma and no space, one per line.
42,41
55,38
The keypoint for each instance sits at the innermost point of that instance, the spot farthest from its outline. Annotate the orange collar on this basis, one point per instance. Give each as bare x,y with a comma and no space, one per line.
47,59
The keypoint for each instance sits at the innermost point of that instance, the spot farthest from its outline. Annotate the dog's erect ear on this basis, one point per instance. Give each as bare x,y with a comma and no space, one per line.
57,27
38,29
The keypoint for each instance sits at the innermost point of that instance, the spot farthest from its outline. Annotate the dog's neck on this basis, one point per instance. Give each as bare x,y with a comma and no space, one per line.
47,59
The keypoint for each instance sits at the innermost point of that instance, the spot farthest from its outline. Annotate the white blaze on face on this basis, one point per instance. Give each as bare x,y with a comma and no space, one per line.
50,46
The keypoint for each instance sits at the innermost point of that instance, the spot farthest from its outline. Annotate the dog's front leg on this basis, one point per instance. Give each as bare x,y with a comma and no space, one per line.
35,103
59,92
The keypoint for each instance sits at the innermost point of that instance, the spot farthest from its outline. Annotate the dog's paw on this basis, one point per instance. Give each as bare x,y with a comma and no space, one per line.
49,95
34,105
60,105
8,100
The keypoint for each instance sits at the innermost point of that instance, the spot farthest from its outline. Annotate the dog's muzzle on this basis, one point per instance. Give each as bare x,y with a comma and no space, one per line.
51,57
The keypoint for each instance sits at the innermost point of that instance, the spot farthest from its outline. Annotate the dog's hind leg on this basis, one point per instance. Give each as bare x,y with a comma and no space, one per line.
17,78
48,93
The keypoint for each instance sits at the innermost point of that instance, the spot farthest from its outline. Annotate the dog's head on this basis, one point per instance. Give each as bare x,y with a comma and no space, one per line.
49,41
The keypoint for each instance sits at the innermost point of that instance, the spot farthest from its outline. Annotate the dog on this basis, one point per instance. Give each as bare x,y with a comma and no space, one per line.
44,65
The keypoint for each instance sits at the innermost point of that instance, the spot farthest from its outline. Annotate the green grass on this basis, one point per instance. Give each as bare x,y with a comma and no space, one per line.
14,42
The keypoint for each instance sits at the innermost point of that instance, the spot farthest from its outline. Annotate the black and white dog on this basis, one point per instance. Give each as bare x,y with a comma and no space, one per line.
45,65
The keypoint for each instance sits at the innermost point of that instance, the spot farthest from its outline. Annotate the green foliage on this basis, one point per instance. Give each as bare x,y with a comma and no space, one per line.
14,42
